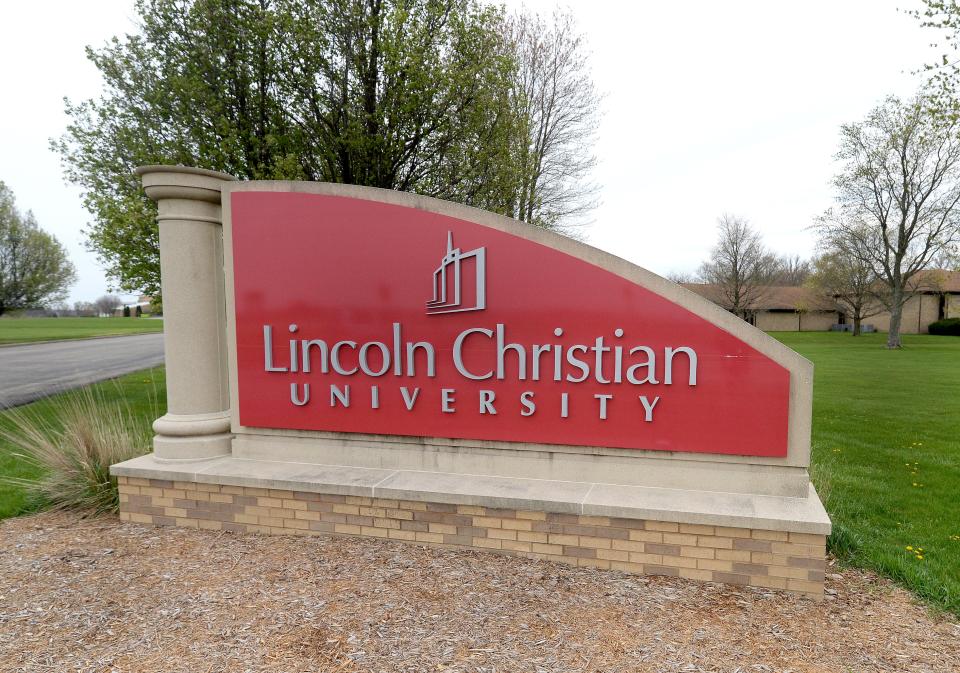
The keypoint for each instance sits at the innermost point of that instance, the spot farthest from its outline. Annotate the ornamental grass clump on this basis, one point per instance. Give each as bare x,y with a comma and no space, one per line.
73,446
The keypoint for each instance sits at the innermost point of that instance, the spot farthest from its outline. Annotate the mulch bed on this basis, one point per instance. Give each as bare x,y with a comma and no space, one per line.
98,595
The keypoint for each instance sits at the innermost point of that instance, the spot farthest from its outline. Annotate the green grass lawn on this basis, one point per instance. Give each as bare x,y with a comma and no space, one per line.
886,455
144,394
25,330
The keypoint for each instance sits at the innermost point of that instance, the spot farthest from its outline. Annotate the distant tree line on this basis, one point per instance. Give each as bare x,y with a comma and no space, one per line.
453,99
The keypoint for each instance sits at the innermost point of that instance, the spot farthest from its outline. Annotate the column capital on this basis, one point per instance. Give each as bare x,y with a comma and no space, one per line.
182,182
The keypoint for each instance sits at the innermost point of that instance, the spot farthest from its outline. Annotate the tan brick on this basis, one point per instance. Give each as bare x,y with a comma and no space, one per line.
697,552
636,557
221,497
372,531
769,582
696,529
723,531
646,536
663,526
815,588
188,523
694,574
269,502
772,535
347,509
209,488
386,503
281,513
517,524
232,490
680,538
484,542
566,540
296,523
487,522
141,518
178,512
593,563
289,503
712,564
739,555
792,549
532,516
358,500
162,502
715,542
246,518
413,505
731,578
272,521
152,491
471,510
595,542
138,481
656,569
347,529
129,490
306,515
402,514
429,537
790,573
499,534
373,511
408,535
613,555
256,510
627,545
528,536
807,538
679,562
635,568
209,525
551,549
594,520
174,493
768,559
513,545
389,524
124,498
256,492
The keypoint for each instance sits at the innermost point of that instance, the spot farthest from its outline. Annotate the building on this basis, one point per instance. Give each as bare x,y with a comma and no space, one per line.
801,309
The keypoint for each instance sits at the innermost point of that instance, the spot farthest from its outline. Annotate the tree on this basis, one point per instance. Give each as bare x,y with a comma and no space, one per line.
843,273
791,271
414,95
34,268
898,193
740,266
557,108
107,304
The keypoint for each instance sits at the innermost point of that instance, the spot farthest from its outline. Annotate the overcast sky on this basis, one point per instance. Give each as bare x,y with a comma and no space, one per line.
710,107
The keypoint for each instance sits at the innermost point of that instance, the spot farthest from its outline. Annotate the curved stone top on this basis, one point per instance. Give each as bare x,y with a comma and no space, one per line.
182,182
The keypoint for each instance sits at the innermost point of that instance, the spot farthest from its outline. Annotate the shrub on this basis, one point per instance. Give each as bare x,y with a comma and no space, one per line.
947,327
73,449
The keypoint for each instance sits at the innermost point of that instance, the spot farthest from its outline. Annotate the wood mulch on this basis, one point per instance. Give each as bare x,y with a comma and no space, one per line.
99,595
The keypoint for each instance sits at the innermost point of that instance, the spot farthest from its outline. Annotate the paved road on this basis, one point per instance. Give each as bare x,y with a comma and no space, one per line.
32,371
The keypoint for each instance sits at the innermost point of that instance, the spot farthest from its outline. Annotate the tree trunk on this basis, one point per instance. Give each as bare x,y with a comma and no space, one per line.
856,325
896,313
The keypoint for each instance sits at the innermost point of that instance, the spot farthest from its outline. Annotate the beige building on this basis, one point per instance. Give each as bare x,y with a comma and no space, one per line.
801,309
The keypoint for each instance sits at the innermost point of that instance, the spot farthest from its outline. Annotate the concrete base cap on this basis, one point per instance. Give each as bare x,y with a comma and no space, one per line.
735,510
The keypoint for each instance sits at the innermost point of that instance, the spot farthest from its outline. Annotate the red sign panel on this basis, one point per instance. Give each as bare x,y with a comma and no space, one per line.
360,316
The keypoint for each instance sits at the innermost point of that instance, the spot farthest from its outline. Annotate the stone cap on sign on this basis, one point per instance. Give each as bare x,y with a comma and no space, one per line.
736,510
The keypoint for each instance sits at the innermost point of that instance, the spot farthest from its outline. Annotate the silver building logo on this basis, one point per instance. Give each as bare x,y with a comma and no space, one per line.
448,280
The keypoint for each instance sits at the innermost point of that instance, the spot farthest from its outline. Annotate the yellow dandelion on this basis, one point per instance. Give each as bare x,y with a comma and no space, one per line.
909,548
920,556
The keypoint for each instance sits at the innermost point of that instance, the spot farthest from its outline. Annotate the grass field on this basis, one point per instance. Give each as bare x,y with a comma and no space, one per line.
886,455
25,330
886,452
143,392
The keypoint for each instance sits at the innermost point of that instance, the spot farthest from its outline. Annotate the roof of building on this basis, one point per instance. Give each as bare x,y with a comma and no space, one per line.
792,298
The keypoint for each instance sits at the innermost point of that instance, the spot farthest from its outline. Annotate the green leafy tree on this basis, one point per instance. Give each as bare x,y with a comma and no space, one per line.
899,196
34,268
414,95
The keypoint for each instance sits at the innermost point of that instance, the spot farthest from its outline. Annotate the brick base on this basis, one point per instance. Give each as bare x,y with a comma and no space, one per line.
742,556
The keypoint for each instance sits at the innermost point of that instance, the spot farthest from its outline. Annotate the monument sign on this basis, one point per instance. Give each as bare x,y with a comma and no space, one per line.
358,361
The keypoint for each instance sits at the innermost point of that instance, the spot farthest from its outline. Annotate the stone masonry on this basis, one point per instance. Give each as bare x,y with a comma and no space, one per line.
740,556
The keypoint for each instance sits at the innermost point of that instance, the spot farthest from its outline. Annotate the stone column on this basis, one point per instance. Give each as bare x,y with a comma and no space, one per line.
197,422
